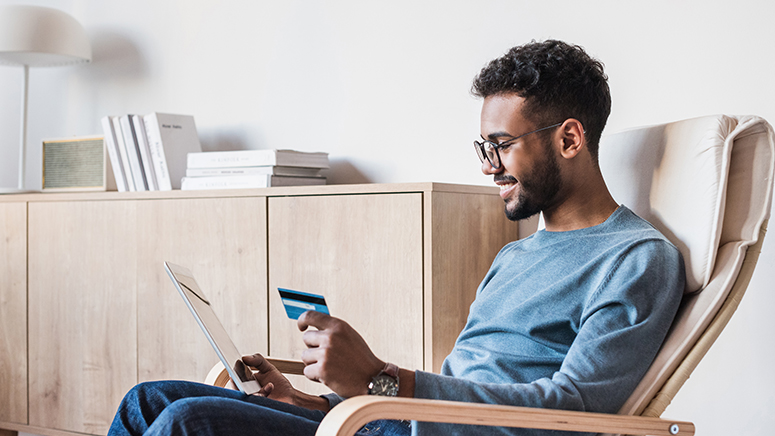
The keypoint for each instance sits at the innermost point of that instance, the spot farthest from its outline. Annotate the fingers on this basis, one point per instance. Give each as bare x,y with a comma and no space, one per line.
314,339
313,359
315,319
265,390
258,362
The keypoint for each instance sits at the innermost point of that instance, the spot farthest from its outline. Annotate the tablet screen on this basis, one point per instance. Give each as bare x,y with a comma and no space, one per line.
203,312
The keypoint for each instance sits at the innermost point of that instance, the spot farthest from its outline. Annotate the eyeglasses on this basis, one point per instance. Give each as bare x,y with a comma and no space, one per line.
489,150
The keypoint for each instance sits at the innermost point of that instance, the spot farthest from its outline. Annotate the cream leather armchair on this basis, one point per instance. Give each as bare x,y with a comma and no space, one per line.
706,183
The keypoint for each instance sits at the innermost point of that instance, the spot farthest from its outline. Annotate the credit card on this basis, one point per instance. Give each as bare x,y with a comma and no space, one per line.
297,302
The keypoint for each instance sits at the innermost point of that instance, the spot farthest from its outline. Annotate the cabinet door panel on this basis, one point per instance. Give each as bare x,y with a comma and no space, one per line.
223,242
82,312
13,312
364,254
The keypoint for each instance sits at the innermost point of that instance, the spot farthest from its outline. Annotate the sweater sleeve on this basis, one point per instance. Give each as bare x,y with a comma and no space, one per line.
622,325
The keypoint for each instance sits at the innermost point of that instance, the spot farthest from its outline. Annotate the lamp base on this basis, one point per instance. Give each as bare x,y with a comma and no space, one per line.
16,191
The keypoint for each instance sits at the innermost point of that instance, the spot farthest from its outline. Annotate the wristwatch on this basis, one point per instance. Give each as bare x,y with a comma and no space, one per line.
386,382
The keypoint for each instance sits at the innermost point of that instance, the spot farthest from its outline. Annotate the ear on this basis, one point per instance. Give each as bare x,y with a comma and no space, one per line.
572,135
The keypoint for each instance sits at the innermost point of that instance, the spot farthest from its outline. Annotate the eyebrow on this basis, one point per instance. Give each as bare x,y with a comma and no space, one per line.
496,135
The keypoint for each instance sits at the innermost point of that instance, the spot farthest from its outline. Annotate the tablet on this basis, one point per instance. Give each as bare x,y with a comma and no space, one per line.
213,329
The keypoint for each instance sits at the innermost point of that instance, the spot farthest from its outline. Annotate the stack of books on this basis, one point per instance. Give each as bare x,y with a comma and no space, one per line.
148,153
254,169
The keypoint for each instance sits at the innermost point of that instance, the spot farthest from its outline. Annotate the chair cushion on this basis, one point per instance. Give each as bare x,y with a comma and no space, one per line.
674,175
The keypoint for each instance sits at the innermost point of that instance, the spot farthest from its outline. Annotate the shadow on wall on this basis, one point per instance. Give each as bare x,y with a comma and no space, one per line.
115,57
343,172
221,140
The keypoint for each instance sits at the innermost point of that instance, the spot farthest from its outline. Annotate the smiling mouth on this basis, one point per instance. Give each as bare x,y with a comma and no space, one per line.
505,182
507,186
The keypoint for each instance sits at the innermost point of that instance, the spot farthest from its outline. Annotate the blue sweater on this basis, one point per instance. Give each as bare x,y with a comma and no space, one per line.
563,320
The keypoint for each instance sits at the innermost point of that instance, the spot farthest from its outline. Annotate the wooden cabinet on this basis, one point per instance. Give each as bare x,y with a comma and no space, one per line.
82,312
401,263
13,312
364,253
223,242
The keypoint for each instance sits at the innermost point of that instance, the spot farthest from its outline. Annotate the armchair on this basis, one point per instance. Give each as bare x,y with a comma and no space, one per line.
706,184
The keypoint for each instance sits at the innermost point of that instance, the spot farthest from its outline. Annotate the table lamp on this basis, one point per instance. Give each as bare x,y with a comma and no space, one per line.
34,36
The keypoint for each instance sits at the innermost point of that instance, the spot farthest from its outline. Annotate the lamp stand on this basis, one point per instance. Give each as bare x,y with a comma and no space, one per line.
23,140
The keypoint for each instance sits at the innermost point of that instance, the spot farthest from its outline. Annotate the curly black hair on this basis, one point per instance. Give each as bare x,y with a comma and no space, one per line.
557,80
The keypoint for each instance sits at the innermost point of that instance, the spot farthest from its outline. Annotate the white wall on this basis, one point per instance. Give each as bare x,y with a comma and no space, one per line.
383,87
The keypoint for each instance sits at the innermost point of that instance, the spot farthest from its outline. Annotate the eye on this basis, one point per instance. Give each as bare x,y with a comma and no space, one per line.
503,146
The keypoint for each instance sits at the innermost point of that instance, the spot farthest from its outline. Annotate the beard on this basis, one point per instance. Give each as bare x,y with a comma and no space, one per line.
538,189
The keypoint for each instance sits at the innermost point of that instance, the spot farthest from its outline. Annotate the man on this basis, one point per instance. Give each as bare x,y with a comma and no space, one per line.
568,318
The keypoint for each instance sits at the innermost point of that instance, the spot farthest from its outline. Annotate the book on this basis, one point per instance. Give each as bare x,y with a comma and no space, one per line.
133,152
115,157
130,182
145,153
270,170
253,158
170,139
247,181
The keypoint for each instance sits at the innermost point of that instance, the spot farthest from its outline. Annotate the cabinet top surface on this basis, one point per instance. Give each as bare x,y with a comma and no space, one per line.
370,188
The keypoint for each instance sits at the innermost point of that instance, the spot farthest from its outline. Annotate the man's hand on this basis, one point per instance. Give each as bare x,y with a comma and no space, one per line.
276,386
337,355
273,383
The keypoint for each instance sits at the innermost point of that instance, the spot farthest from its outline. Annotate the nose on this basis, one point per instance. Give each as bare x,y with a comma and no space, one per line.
488,169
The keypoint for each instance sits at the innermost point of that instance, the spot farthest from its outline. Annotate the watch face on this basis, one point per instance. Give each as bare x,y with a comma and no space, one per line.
384,385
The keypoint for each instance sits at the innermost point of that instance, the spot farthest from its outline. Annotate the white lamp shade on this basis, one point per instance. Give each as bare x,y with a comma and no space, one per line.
41,37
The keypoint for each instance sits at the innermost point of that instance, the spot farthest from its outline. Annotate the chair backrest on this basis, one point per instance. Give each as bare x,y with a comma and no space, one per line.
706,184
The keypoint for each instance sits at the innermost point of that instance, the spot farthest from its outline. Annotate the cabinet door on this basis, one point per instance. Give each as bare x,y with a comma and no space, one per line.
364,254
223,242
13,312
82,312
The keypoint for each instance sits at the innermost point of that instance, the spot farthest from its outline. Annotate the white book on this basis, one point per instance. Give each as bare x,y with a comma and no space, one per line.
113,154
122,151
145,153
253,158
270,170
133,151
249,181
170,138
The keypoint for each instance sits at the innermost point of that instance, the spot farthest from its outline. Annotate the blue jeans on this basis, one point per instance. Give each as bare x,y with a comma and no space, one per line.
185,408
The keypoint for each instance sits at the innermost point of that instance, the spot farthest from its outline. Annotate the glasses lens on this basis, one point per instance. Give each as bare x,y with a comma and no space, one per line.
479,150
487,151
492,154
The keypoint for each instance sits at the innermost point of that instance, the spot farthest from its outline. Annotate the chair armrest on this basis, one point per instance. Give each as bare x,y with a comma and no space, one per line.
287,366
349,416
218,376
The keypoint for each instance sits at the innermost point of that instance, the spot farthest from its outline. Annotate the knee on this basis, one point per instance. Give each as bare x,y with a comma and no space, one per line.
154,395
141,392
183,417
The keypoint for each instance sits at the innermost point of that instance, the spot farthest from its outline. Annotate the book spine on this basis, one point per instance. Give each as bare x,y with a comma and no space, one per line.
115,158
249,181
178,137
225,182
156,149
231,159
270,170
145,153
133,152
130,182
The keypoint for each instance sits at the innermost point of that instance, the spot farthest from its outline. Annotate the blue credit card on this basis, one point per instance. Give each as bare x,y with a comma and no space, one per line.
297,302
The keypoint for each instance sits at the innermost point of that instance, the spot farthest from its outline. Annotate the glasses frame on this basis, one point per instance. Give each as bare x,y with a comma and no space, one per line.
479,146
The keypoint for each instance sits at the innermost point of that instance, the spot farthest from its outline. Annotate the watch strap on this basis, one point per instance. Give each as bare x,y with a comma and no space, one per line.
390,369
